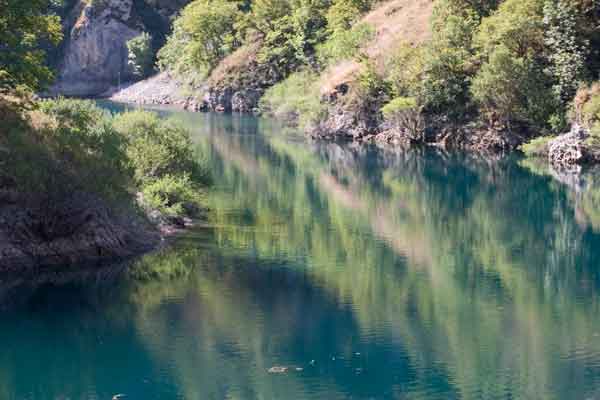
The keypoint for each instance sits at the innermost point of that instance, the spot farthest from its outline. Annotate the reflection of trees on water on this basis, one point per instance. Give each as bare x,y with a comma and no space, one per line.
452,276
503,255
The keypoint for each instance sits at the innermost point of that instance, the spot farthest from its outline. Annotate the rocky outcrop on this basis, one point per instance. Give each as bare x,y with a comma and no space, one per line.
80,229
571,148
361,120
94,56
239,81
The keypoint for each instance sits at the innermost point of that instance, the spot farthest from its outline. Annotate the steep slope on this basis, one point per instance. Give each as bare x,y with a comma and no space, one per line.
394,22
94,55
240,80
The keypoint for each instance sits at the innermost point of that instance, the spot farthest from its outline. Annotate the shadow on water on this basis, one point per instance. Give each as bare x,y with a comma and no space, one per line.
366,273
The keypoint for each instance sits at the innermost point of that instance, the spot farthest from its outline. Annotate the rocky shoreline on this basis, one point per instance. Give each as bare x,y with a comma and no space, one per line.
80,229
363,126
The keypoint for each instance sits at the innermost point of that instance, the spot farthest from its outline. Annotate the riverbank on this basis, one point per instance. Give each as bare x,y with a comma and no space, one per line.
80,229
79,184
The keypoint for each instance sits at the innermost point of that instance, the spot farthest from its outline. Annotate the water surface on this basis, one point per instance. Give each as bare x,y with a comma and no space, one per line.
369,274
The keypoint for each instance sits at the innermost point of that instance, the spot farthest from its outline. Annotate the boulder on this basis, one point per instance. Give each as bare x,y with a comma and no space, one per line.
570,149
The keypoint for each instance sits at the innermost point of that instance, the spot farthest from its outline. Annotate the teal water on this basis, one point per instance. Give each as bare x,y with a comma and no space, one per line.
369,274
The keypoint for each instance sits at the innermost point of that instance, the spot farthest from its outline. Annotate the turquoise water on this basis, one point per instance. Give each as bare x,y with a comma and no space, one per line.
368,274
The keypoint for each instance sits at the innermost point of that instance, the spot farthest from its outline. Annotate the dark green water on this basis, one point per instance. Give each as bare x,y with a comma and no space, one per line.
369,274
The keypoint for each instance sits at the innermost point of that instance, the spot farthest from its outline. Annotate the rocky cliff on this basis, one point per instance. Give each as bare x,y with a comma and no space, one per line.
94,56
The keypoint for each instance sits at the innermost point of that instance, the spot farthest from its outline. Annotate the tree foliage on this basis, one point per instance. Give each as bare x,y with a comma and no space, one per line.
141,56
24,27
205,32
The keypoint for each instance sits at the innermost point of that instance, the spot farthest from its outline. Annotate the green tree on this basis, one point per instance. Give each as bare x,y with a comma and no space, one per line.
343,14
141,57
24,26
293,42
448,61
567,49
265,14
210,24
204,34
517,24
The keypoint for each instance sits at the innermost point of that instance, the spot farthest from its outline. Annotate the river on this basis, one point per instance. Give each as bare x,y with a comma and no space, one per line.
362,273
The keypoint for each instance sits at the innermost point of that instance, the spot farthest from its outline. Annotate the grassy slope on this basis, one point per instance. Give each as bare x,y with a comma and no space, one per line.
394,21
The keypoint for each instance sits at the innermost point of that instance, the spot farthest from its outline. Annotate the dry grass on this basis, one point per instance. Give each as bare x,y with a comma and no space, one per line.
235,63
395,21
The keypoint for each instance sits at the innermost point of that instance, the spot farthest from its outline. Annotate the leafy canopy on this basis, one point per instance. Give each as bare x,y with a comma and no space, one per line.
24,27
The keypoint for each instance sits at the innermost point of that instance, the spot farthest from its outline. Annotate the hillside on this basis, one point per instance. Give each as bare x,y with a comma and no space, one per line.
395,21
485,76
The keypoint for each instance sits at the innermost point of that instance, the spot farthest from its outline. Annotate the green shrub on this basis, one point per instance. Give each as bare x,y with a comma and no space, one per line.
538,147
345,44
173,195
517,24
157,147
497,87
448,61
398,105
296,99
343,14
88,153
405,69
265,14
567,48
203,35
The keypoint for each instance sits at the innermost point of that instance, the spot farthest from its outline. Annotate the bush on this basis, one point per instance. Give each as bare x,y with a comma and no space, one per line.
141,56
567,48
405,70
448,62
293,42
73,146
538,147
157,147
88,153
517,24
343,14
498,85
296,99
173,195
345,44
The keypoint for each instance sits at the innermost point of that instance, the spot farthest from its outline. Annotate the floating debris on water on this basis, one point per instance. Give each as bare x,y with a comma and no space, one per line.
278,370
299,369
119,396
312,362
